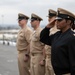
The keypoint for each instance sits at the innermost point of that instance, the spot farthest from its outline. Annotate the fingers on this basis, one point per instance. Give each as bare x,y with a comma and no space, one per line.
51,23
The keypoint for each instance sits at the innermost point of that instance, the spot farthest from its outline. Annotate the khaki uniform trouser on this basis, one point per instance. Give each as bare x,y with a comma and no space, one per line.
48,66
36,68
23,66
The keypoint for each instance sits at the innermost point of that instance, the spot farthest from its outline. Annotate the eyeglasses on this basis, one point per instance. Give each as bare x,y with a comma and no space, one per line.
20,20
50,16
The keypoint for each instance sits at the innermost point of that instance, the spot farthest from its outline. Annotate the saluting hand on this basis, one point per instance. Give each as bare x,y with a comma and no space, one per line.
51,23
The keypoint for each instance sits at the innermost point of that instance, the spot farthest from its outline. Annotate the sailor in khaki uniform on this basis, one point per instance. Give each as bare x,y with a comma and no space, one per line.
36,48
48,66
23,41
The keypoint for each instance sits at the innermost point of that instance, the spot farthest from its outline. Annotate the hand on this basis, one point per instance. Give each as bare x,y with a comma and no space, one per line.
26,58
51,23
42,62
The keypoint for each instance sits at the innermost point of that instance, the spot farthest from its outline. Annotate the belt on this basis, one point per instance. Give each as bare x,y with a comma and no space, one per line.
21,51
33,54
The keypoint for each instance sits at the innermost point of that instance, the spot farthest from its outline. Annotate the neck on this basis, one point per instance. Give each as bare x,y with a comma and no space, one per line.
23,26
36,27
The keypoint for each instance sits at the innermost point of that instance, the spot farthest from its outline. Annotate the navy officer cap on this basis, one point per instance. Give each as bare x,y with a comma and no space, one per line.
64,14
35,17
51,13
22,16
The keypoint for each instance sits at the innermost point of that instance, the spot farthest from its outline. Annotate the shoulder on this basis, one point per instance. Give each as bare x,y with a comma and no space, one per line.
72,36
38,30
57,33
27,29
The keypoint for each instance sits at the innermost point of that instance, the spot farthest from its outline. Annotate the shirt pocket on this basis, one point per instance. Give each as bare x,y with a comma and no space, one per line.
35,37
37,42
21,37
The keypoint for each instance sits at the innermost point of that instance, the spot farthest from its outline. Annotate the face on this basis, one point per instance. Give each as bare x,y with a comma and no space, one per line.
61,24
50,18
33,23
22,22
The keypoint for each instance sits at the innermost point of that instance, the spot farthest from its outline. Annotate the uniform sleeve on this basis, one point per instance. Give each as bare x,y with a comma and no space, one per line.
72,55
44,36
28,35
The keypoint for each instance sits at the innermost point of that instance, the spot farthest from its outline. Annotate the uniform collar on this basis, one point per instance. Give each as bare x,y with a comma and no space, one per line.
66,31
37,28
25,27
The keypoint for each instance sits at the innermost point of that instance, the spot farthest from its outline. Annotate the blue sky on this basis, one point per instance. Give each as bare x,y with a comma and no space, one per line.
10,8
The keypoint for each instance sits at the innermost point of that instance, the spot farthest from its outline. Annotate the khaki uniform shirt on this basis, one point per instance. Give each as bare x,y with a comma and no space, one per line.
36,46
47,49
23,38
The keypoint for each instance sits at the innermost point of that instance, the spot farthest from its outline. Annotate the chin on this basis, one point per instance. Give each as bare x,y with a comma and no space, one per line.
58,28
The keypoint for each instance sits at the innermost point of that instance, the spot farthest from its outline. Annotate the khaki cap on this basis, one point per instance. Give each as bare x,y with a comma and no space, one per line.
62,13
51,13
22,16
35,17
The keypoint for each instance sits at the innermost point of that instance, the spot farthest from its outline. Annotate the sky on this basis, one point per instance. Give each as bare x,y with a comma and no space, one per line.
9,9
